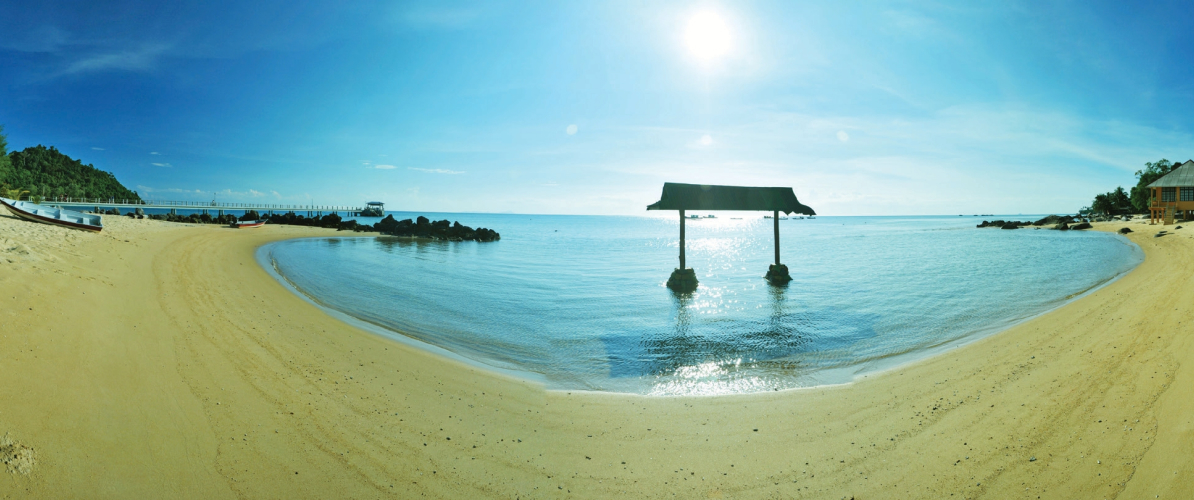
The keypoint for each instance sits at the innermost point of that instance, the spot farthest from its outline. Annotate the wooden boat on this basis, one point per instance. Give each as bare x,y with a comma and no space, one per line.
57,216
248,223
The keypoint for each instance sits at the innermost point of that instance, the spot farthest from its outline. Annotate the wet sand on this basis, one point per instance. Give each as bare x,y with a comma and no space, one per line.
159,360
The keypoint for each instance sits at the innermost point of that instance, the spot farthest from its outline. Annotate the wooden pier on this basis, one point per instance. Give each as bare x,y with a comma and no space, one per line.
203,206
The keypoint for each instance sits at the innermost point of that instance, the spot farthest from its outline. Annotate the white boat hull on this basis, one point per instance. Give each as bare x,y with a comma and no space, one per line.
56,216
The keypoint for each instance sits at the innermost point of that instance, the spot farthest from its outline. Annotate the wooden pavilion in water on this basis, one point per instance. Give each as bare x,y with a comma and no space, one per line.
684,197
1172,195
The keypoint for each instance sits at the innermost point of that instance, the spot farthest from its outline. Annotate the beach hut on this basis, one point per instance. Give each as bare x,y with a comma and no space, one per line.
684,197
1172,195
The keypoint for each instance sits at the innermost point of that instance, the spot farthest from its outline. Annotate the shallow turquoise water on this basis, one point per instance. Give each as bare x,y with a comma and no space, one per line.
581,300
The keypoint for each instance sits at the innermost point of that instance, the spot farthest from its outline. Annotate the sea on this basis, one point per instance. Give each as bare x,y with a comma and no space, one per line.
581,303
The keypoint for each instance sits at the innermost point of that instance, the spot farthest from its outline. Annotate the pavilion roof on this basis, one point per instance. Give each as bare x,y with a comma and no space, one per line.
707,197
1178,177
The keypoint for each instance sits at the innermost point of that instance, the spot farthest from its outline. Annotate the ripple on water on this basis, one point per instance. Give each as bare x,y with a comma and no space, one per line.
581,299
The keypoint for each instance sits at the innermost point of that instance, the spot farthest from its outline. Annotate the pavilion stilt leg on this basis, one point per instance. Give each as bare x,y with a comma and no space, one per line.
683,279
777,274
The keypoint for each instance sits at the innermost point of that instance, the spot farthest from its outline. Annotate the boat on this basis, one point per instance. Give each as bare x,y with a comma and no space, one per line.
248,223
374,209
50,215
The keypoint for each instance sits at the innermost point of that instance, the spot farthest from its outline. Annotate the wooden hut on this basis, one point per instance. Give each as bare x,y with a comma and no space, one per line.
1172,195
684,197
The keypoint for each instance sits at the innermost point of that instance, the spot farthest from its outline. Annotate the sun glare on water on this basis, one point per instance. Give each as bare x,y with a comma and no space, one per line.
707,36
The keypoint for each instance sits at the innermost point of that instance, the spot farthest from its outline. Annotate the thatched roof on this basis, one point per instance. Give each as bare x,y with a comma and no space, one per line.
705,197
1182,176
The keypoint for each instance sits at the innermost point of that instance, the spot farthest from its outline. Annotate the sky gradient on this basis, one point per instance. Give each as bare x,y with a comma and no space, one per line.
865,108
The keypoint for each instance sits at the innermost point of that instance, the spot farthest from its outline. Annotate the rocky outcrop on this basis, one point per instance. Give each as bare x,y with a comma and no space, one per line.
330,221
1055,220
1125,230
1004,224
1059,222
419,228
423,227
195,218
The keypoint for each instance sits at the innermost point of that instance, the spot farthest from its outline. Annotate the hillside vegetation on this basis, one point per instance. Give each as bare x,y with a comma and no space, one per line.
47,173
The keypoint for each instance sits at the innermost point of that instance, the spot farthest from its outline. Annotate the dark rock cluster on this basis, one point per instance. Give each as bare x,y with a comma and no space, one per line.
438,230
194,218
330,221
419,228
1059,222
1004,224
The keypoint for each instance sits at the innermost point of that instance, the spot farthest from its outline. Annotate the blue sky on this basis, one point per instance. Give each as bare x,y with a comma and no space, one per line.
863,107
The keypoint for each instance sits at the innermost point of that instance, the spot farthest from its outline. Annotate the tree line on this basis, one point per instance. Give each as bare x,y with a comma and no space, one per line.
41,172
1120,202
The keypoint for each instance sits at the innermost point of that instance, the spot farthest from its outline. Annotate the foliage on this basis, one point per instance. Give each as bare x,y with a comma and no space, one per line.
4,161
47,173
12,194
1114,203
1152,171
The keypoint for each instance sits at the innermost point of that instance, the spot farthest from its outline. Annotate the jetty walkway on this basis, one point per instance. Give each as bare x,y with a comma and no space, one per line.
201,206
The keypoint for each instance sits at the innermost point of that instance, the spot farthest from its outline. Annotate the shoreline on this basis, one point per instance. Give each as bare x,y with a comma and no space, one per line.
266,261
822,377
160,360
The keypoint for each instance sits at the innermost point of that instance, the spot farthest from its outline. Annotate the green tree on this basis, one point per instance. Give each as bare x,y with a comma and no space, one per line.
1152,171
1114,203
5,163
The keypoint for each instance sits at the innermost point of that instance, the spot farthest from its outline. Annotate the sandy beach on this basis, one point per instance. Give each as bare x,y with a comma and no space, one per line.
158,360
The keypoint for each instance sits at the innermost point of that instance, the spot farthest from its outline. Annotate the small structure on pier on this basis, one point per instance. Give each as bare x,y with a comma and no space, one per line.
705,197
374,209
1172,195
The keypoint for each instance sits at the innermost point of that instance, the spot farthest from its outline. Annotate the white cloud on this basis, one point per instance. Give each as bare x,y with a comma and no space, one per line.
154,153
571,130
384,167
436,170
139,59
162,165
843,136
98,149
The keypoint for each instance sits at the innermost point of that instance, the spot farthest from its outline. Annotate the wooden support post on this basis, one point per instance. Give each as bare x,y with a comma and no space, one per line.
683,279
682,266
776,220
777,273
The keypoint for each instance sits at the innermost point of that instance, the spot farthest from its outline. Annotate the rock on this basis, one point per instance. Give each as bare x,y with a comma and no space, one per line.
1010,225
1062,227
777,274
1125,230
1052,219
1084,225
682,280
139,211
1176,228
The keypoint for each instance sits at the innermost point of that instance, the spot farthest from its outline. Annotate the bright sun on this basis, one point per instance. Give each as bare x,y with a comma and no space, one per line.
707,36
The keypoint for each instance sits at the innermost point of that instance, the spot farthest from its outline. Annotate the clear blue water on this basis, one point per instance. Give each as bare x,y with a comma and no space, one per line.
581,300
